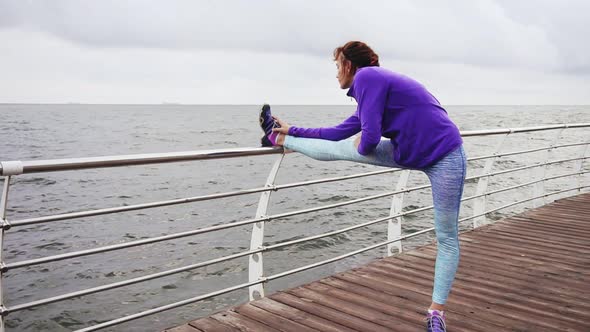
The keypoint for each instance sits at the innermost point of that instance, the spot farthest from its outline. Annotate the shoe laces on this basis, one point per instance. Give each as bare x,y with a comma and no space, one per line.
436,322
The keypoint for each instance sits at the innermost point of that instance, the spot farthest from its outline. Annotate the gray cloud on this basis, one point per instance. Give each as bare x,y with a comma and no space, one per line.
465,51
535,34
565,24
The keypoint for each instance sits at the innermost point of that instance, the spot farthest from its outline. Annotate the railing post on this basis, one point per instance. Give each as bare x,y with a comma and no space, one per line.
394,225
256,268
3,227
479,205
580,167
540,173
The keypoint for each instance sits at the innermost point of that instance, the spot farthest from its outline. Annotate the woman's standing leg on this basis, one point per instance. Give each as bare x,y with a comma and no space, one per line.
447,178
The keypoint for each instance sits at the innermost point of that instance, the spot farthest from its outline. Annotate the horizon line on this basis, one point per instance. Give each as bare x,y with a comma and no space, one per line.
248,104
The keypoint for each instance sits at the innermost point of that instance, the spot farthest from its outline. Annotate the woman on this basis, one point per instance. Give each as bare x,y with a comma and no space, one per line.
421,137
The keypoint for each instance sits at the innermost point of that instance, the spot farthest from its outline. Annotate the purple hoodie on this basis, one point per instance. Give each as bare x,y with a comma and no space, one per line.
399,108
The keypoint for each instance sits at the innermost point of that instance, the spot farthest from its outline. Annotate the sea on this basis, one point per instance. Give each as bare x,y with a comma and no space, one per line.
55,131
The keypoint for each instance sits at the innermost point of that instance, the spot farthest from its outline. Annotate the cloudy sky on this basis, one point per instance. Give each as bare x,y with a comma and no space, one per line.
280,51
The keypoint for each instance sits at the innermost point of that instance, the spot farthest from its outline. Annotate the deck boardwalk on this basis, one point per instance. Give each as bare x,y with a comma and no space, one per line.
530,272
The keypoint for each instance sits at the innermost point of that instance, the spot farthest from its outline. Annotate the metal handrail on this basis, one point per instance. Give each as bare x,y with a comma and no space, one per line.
97,212
90,213
25,263
200,231
489,193
505,154
234,256
522,168
13,168
38,166
524,201
162,274
226,258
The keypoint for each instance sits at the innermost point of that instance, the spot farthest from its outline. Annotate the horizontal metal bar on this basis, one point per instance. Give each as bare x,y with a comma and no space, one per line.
89,213
119,209
524,167
38,166
334,179
358,200
381,244
523,201
168,307
521,130
347,229
123,283
525,151
130,244
489,193
156,158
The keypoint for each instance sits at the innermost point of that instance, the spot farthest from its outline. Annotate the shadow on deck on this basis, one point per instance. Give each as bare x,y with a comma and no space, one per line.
530,272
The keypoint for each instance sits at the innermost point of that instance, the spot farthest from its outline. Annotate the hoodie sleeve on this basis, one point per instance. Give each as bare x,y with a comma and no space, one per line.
349,127
371,91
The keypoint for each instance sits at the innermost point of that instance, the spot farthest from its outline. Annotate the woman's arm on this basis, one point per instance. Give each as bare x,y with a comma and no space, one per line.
346,129
371,91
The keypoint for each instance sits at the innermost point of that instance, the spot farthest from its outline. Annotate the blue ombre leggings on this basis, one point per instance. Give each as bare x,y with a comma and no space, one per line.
446,176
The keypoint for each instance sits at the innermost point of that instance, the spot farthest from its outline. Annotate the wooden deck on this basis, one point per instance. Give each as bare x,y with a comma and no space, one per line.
529,272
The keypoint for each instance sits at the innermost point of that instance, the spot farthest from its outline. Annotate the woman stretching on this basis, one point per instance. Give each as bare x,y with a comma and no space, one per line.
420,137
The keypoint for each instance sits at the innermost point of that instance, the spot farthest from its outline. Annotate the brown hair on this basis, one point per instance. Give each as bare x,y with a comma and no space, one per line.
358,53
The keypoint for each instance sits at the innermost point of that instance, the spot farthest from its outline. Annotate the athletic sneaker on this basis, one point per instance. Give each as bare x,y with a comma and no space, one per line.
265,142
267,123
435,322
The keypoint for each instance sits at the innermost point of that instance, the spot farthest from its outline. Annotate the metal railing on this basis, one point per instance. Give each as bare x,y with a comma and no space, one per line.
257,277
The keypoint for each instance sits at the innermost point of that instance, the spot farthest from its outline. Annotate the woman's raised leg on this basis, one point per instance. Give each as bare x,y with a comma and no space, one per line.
325,150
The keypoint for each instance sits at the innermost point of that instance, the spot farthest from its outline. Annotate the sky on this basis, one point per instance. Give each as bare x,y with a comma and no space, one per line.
484,52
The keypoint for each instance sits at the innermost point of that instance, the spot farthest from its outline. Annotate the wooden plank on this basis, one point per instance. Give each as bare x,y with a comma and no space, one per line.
505,287
242,323
211,325
466,306
327,313
552,247
271,319
498,250
514,268
299,316
478,294
544,227
183,328
460,322
403,319
516,275
548,236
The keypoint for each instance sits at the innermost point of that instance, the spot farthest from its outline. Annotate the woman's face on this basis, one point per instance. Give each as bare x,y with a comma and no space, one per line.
345,74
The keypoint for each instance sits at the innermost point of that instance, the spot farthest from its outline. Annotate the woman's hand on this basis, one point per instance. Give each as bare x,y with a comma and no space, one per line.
284,129
357,141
